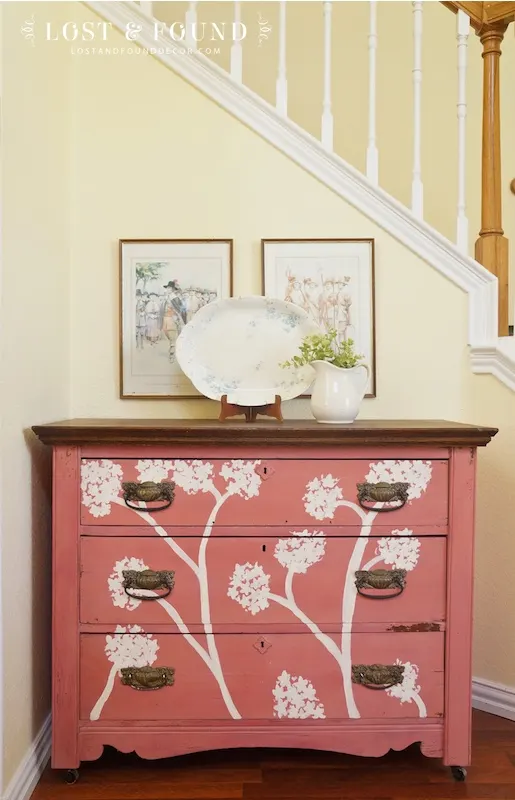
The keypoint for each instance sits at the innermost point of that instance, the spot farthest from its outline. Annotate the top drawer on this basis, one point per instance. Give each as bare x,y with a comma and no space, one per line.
275,492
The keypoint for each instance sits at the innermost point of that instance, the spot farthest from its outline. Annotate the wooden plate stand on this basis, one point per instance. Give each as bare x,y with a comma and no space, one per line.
251,412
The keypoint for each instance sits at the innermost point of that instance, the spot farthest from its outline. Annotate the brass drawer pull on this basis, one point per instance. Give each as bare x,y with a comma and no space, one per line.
149,492
148,678
377,676
382,493
149,580
380,579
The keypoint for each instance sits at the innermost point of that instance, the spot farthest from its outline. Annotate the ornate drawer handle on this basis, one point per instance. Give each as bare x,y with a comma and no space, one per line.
382,493
149,580
149,492
377,676
380,579
148,678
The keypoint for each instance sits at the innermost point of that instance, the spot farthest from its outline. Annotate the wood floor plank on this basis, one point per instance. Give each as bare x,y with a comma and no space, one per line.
266,774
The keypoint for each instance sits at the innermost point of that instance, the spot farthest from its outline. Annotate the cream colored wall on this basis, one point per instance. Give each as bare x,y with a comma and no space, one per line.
34,355
171,164
349,75
491,403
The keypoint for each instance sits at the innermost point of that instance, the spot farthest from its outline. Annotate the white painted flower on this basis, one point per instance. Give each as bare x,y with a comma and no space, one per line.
101,482
128,647
250,587
323,496
119,596
416,473
241,477
295,698
155,470
409,690
297,554
401,551
193,476
131,647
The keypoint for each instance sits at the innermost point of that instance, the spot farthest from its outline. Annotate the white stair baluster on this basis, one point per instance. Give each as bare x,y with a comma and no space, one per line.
417,189
372,152
191,21
236,48
462,35
282,86
327,116
146,7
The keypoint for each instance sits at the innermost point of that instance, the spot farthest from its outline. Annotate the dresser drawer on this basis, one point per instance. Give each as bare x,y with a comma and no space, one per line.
263,492
266,580
129,676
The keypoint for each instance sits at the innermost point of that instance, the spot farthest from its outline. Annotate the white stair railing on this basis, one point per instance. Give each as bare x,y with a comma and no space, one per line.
372,151
327,114
417,187
462,35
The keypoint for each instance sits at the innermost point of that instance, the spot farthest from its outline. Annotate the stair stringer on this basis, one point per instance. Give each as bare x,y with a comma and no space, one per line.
339,176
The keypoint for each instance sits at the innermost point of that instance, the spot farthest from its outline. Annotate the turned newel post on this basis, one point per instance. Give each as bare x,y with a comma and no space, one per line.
492,246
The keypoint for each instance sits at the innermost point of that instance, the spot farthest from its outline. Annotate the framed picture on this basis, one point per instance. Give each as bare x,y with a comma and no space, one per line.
333,280
163,283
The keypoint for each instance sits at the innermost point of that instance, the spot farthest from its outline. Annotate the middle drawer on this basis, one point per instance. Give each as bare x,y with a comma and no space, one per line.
394,578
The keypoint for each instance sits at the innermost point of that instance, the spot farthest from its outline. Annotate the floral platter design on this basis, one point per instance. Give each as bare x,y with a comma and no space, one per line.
235,346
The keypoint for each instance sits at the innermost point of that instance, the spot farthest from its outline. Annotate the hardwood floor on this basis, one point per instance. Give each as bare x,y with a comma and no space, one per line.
297,775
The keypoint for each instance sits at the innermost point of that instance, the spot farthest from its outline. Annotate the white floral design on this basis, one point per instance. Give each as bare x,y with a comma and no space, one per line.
408,691
295,698
119,596
101,482
297,554
249,586
194,476
323,496
154,469
416,473
241,477
401,551
128,647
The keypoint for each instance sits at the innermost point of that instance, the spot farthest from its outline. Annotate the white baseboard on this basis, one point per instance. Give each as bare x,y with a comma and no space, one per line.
493,698
29,772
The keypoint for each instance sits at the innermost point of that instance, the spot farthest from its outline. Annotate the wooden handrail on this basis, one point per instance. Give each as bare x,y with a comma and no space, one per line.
490,21
492,246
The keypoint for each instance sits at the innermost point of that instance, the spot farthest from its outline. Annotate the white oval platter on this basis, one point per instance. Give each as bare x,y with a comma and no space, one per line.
235,346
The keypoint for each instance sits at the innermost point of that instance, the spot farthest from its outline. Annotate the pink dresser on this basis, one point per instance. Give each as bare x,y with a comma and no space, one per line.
222,585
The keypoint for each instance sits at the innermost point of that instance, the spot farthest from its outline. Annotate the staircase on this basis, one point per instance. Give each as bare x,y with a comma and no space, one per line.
269,113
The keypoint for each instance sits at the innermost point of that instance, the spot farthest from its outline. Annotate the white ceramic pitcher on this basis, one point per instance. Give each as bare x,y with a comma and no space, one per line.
338,392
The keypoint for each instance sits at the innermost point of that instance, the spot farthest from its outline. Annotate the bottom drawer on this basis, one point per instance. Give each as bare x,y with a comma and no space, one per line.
143,676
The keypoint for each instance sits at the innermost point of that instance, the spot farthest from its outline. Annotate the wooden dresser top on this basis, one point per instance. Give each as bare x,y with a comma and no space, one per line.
291,432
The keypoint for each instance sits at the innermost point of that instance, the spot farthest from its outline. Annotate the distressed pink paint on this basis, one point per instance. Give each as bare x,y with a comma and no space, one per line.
232,666
280,496
261,660
423,598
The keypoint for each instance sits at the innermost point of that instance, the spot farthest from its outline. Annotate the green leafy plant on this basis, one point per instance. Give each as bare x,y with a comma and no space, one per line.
325,347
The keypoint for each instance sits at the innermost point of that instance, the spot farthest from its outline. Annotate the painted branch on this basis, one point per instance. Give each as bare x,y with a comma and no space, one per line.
146,517
348,606
104,697
422,710
373,561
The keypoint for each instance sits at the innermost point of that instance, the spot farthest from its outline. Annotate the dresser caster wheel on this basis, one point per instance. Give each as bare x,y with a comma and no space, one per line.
71,776
459,773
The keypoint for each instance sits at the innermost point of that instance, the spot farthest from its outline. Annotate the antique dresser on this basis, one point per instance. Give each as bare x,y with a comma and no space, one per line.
222,585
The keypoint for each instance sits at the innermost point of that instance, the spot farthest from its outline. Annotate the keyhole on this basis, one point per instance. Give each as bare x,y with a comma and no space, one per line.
262,644
264,470
263,548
